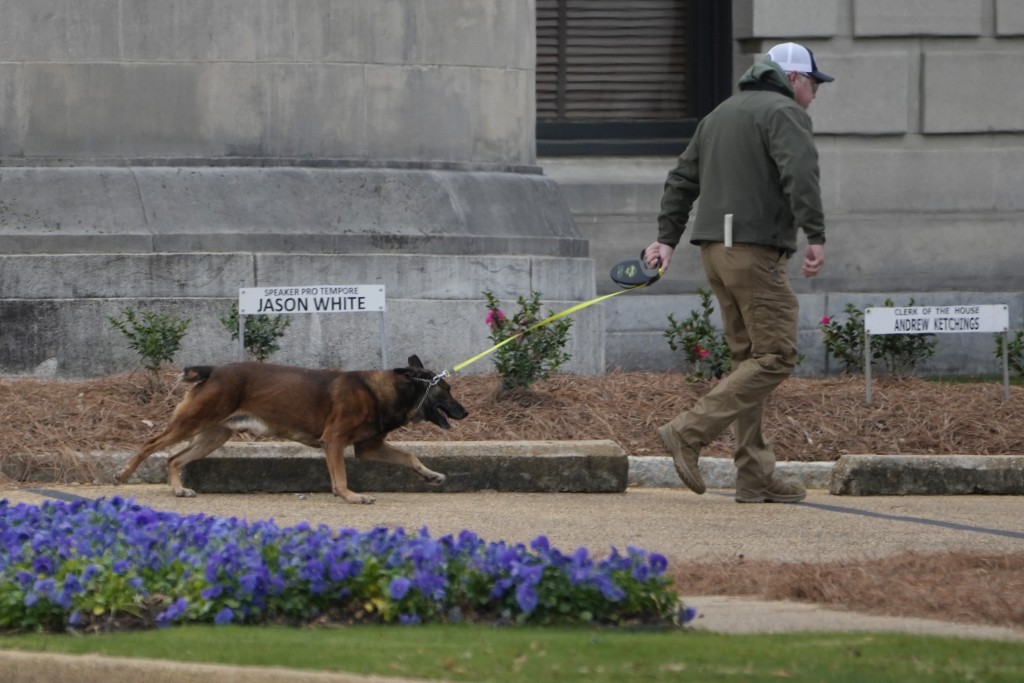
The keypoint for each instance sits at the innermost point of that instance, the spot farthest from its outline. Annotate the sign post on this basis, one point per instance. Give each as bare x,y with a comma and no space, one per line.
312,299
936,320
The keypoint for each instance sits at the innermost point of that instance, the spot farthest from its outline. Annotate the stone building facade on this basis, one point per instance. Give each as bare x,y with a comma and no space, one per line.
165,153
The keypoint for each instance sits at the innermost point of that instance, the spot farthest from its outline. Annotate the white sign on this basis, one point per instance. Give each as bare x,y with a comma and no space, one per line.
937,319
310,299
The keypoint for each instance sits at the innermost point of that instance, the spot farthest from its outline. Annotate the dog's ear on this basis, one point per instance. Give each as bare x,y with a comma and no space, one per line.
415,362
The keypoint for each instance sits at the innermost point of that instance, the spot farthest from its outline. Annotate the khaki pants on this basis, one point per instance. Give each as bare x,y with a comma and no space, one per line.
759,312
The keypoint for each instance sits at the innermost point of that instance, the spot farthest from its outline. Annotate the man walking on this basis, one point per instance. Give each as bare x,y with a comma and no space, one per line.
753,163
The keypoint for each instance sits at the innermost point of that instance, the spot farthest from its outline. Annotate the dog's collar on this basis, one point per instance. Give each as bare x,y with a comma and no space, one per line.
431,383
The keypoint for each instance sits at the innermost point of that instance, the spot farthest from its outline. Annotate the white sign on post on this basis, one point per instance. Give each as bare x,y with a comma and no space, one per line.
937,319
310,299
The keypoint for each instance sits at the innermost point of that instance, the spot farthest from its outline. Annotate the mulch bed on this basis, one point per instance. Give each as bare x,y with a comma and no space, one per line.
805,419
956,586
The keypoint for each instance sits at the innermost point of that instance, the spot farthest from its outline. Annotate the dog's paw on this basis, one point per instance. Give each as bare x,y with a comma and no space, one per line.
435,478
355,498
184,493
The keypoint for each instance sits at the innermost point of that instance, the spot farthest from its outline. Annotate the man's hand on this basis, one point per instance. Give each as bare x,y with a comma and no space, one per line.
814,259
658,255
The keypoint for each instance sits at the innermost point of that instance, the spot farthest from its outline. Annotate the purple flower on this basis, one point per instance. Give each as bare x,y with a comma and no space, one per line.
43,565
72,584
211,592
430,584
609,590
526,597
529,574
399,587
172,613
250,583
225,616
344,570
541,544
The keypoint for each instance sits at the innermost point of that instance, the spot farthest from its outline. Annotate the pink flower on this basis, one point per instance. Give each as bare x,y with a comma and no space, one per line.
825,320
494,318
702,353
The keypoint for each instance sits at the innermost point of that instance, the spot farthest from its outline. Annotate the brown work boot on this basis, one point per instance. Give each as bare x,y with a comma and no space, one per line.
777,491
684,457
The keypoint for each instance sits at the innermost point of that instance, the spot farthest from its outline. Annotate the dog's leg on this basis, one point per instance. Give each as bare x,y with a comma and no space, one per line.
202,445
335,452
378,449
162,441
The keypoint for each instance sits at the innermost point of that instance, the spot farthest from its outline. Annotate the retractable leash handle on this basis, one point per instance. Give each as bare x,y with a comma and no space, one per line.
633,273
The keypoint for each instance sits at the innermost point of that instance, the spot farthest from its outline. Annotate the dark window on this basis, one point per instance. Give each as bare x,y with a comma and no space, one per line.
628,76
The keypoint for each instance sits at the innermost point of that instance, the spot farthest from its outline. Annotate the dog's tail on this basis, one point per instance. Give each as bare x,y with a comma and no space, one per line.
196,373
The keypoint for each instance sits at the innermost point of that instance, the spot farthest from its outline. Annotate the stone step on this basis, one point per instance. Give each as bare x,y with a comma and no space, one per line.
522,466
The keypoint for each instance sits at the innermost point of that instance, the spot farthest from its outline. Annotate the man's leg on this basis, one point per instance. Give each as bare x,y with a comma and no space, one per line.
754,456
758,304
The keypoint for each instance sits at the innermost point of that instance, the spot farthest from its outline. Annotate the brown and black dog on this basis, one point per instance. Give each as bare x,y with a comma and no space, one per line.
327,409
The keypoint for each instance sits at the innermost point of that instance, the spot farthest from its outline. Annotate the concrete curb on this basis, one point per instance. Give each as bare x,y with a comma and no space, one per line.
519,467
719,473
932,475
593,466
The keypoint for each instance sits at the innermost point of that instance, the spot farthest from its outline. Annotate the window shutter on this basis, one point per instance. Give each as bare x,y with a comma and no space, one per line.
612,60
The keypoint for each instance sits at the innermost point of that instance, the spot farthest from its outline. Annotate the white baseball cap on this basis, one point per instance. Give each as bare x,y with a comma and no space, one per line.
796,57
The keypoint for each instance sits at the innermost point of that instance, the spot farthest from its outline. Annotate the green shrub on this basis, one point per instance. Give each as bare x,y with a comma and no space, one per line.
262,332
845,342
155,336
536,352
703,346
1015,351
899,352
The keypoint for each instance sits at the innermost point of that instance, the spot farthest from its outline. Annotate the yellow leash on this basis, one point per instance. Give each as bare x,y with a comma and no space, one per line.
556,316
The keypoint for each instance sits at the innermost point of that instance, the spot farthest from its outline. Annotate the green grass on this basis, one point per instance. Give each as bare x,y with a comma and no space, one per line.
542,655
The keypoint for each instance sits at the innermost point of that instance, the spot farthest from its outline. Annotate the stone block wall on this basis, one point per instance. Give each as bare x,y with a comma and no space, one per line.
444,80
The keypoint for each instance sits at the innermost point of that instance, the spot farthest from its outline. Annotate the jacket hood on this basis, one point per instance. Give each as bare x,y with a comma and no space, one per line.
766,72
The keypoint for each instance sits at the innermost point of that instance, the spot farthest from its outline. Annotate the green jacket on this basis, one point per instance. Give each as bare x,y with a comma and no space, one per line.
753,157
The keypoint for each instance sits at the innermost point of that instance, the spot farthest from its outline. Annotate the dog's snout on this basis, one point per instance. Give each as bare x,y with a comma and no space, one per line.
456,410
